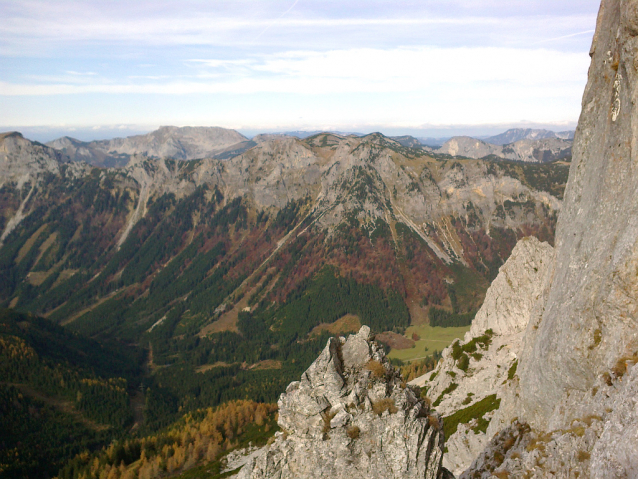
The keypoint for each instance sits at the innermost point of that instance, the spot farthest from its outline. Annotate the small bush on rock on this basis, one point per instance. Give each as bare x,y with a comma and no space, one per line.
512,371
353,432
475,411
463,363
327,418
433,421
385,404
620,368
376,368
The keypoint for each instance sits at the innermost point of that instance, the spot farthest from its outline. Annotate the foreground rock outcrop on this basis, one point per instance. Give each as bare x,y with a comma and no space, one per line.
352,416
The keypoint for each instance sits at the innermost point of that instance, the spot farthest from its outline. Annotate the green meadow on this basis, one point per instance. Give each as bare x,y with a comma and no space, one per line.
432,338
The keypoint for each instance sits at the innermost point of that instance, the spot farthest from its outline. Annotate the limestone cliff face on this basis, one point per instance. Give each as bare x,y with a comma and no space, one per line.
589,319
575,408
352,416
22,160
24,165
183,143
500,327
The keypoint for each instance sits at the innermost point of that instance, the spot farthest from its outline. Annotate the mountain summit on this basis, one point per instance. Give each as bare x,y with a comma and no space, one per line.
516,134
180,143
527,150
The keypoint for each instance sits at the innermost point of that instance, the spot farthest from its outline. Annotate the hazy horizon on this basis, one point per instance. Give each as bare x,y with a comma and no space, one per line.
45,134
394,67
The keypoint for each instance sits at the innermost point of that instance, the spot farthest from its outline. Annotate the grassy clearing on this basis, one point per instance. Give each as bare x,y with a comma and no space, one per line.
432,338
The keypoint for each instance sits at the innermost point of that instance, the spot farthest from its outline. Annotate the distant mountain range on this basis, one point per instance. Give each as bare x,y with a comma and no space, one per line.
180,143
189,143
533,151
517,134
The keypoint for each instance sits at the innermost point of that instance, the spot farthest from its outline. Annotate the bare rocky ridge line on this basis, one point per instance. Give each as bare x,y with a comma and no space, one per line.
527,150
327,170
188,143
515,134
352,416
180,143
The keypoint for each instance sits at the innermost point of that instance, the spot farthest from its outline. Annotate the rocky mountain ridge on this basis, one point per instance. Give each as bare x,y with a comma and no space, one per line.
180,143
188,143
516,134
393,181
528,150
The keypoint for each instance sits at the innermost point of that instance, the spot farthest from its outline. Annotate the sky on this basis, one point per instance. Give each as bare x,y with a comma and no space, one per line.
97,69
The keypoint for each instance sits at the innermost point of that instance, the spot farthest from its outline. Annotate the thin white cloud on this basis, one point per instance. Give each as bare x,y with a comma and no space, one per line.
216,63
459,61
277,20
355,70
39,29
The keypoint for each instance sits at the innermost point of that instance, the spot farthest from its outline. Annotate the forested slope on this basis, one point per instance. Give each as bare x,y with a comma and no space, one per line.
59,394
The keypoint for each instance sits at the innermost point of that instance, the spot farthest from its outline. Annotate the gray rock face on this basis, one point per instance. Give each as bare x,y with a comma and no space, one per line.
94,153
590,318
24,164
576,398
352,416
528,150
516,134
600,444
180,143
508,306
512,295
183,143
22,160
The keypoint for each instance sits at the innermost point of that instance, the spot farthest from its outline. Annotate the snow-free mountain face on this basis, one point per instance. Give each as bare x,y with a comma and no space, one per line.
371,209
533,151
21,160
187,143
408,141
180,143
516,134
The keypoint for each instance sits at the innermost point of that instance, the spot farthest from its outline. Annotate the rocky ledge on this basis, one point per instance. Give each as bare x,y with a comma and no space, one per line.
352,416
